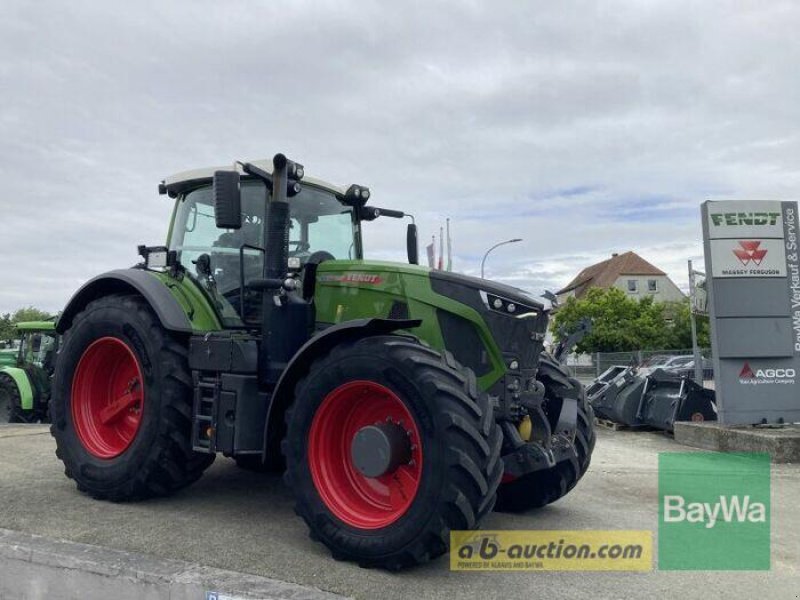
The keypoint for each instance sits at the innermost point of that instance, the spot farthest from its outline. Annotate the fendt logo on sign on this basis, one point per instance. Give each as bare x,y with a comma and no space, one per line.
748,376
744,218
737,219
749,251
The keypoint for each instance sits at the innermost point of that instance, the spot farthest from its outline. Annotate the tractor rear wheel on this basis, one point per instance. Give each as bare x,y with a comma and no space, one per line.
11,410
389,446
8,394
121,406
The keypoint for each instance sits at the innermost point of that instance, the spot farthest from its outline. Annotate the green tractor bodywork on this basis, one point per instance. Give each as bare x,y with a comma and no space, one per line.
348,290
263,326
25,381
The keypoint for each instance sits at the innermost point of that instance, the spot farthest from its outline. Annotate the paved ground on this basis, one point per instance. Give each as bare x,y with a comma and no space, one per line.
244,522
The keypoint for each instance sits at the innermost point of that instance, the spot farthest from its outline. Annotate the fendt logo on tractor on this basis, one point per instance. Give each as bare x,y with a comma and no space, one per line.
399,401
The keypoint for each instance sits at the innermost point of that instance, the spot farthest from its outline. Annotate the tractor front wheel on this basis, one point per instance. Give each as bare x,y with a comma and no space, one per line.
122,404
389,446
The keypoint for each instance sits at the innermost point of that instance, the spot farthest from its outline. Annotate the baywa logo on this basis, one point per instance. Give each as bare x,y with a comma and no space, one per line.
734,219
728,509
714,511
748,376
749,251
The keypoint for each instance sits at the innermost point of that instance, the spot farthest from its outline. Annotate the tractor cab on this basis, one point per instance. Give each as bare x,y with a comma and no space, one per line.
38,344
224,258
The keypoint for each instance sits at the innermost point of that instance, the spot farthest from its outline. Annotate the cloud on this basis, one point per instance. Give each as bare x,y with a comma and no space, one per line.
582,128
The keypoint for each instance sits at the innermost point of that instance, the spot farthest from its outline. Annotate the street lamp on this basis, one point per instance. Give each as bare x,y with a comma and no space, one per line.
483,262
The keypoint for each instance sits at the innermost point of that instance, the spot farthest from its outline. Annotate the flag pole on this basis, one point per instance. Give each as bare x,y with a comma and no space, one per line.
449,247
441,248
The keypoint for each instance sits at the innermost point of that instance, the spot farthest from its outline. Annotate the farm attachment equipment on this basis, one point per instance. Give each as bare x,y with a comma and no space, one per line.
653,400
401,402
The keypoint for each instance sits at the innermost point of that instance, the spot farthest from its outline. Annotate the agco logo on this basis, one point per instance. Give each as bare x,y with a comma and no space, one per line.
748,375
749,251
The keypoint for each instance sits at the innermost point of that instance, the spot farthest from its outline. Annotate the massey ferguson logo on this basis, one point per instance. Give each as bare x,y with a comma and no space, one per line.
761,376
749,252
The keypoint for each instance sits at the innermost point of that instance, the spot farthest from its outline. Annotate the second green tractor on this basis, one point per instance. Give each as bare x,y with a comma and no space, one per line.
401,402
26,371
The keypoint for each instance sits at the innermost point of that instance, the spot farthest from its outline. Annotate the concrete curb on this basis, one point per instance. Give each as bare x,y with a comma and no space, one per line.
33,567
781,443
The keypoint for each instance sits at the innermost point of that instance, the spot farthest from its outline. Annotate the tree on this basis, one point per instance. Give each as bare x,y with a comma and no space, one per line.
623,324
6,327
680,330
28,313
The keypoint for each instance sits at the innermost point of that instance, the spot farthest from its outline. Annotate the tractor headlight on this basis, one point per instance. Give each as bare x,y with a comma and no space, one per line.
508,307
356,195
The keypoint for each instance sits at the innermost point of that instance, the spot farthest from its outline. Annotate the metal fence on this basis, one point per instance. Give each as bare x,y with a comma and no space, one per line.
589,366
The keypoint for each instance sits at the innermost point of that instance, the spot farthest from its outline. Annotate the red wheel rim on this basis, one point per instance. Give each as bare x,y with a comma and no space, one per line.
360,501
107,397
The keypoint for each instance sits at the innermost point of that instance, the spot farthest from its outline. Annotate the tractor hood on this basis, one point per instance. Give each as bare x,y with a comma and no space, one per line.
516,295
486,325
439,279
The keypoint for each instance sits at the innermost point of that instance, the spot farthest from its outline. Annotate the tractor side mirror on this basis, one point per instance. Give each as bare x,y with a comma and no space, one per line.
412,245
227,200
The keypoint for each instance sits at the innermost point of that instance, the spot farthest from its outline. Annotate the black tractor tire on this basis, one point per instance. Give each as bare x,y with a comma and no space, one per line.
459,439
11,410
253,462
9,396
544,487
158,459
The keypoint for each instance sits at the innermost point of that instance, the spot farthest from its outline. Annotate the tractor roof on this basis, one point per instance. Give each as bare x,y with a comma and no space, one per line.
186,180
36,326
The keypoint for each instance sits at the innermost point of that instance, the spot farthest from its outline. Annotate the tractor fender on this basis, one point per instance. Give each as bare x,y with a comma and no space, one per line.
126,281
20,378
318,345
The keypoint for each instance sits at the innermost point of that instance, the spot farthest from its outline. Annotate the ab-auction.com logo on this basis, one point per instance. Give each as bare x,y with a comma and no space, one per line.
748,376
749,251
578,550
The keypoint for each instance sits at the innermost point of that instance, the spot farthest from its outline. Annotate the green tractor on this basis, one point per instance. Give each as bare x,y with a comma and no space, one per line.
25,373
8,353
400,402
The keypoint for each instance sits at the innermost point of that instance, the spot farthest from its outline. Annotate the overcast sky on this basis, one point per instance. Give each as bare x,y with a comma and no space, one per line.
585,128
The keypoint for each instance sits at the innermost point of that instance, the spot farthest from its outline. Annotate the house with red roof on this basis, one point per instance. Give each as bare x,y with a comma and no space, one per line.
628,272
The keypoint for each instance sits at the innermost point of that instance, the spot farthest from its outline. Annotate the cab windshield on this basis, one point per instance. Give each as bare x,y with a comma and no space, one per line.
36,348
319,223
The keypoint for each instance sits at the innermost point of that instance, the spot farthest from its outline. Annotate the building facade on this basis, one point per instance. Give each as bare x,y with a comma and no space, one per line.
628,272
